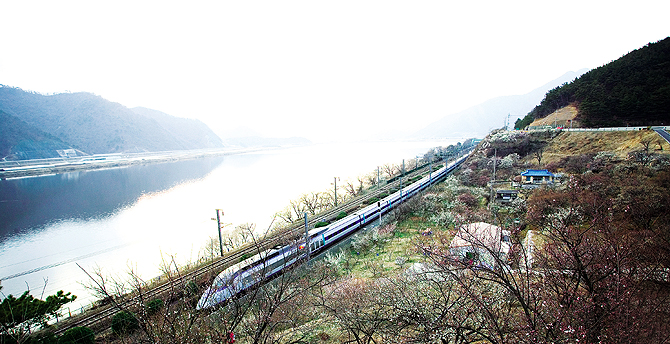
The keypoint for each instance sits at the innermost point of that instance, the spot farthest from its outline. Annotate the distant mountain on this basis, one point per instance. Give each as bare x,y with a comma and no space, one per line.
632,90
478,120
95,125
184,130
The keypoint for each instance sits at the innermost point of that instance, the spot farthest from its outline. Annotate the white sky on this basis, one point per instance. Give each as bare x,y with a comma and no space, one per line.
318,69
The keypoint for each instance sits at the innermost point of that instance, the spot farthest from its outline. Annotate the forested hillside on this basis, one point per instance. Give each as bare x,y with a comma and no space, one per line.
19,140
633,90
95,125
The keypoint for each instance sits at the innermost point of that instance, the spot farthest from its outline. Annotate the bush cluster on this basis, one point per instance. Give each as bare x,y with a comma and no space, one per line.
124,322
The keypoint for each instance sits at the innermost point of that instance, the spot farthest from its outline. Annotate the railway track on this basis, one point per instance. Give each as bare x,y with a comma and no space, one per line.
104,313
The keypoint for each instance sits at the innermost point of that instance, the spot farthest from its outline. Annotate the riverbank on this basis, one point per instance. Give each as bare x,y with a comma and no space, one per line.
41,167
114,218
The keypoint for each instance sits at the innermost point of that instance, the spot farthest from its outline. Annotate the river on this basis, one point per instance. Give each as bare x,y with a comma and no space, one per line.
137,216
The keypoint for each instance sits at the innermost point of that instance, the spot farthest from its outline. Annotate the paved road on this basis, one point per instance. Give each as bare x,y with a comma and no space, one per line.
664,134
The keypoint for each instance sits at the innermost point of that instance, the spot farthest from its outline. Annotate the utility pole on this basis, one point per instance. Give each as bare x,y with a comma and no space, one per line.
218,222
307,237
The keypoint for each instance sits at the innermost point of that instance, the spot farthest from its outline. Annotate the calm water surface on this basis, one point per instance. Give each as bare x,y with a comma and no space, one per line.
134,217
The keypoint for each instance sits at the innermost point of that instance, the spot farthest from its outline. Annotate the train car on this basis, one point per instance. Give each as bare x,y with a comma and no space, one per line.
245,274
254,270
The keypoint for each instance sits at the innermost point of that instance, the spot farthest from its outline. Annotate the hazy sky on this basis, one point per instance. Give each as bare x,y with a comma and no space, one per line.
318,69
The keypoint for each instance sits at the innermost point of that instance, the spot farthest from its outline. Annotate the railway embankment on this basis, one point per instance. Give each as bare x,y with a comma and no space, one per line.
415,241
201,275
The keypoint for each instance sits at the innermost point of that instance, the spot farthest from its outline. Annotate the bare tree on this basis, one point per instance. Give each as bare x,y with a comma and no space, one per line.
413,161
390,170
370,179
329,197
245,232
646,143
361,184
286,215
177,322
355,304
298,208
211,249
265,313
312,202
538,155
351,188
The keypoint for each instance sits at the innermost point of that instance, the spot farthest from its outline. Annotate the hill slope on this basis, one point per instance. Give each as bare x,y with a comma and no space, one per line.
187,132
633,90
19,140
94,125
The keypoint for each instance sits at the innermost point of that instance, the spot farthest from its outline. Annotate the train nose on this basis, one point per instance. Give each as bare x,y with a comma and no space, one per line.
205,300
212,297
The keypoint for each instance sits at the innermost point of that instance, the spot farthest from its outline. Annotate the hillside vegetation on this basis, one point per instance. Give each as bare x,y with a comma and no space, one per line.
94,125
587,262
19,140
631,91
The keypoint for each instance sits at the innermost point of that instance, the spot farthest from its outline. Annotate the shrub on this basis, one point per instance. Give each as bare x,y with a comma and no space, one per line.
124,322
321,224
443,218
341,215
77,335
372,200
468,199
191,288
154,306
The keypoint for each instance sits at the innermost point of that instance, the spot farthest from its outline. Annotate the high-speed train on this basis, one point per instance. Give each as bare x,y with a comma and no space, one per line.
251,271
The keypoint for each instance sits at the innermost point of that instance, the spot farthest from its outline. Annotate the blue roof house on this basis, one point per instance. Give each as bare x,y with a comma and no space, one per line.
537,177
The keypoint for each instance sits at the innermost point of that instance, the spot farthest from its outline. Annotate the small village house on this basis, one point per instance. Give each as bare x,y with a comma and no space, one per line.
506,196
537,177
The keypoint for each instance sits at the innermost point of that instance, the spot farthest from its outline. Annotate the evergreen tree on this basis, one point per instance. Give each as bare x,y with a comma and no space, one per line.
27,309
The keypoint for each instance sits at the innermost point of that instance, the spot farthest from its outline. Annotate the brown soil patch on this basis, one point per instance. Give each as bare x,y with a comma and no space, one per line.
560,117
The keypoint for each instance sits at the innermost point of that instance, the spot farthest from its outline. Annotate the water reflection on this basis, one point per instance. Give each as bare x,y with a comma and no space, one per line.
139,215
30,204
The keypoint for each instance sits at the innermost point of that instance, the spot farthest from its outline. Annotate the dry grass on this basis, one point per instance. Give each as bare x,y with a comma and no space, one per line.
560,117
618,142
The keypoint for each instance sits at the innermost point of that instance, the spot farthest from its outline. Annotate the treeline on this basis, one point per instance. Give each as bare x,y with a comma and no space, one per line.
315,202
633,90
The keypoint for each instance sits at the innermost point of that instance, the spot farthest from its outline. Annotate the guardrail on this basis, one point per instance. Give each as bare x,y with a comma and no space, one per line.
606,129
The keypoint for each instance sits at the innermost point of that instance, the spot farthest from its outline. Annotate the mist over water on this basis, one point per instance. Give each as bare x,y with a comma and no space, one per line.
136,216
